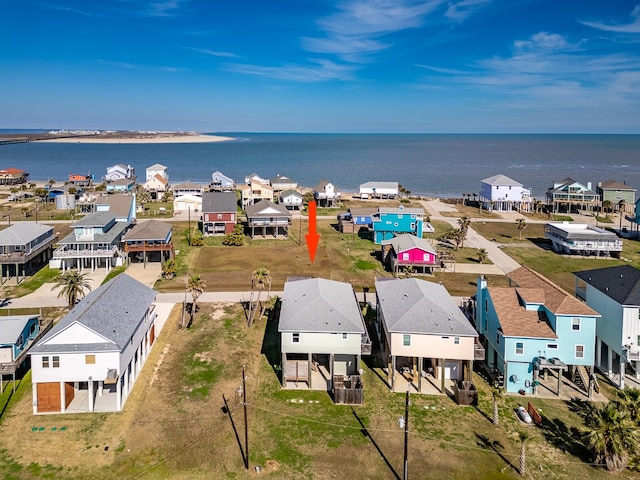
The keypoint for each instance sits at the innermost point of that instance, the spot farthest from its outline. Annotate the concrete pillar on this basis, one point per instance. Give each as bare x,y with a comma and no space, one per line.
609,361
598,351
91,406
622,373
391,374
283,366
442,365
100,388
34,393
331,370
309,371
63,398
637,365
119,394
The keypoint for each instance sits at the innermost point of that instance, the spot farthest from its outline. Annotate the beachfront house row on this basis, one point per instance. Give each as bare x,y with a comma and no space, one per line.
408,252
614,292
220,182
219,212
326,194
582,239
621,195
266,218
424,337
149,241
157,169
532,328
91,359
292,199
503,194
13,176
187,203
568,195
94,243
392,221
119,172
254,191
322,333
379,190
24,248
281,183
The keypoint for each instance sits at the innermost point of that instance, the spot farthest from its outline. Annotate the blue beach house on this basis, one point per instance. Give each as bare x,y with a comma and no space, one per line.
389,222
534,328
17,333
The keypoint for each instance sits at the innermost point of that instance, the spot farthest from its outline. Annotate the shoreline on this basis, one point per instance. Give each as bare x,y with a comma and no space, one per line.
141,139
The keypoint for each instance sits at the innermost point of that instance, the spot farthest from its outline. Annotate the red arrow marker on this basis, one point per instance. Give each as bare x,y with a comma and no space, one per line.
312,237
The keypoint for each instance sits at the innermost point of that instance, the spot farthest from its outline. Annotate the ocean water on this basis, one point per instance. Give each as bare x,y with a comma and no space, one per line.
430,165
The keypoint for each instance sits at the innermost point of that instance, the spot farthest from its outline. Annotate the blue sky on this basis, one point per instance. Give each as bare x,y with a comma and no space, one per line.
441,66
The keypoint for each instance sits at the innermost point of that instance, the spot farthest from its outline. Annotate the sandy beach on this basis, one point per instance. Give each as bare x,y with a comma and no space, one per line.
141,138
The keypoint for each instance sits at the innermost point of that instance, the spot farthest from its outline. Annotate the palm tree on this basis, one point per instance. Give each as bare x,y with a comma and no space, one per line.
612,436
482,255
523,437
629,399
260,279
622,204
169,268
521,224
464,223
73,285
607,204
496,395
195,286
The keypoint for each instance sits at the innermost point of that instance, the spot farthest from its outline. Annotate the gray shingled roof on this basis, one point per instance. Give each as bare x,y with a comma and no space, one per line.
416,306
120,204
259,209
401,210
107,237
22,233
621,283
113,311
319,305
149,230
613,185
219,202
379,185
501,180
97,219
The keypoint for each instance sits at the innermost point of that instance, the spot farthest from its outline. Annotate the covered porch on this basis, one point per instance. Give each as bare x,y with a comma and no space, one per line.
426,375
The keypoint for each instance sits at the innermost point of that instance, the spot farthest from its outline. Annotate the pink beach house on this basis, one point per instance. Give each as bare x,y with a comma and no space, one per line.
407,250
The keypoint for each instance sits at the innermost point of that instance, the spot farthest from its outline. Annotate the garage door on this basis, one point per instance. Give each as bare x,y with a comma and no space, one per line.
48,397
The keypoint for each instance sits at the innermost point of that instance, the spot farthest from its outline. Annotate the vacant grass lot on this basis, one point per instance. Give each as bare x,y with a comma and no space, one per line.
174,426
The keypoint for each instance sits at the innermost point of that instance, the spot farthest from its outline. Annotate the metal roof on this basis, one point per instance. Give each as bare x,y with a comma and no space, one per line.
22,233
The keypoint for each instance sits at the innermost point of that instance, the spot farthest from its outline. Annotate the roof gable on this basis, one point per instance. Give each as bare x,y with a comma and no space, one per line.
500,180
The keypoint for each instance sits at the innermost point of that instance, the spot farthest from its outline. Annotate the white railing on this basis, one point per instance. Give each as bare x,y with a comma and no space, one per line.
69,253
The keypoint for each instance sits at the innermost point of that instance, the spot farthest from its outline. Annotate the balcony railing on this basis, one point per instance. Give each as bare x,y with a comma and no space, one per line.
85,253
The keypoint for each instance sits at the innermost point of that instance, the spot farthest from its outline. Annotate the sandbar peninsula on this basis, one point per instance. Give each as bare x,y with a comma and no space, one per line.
130,137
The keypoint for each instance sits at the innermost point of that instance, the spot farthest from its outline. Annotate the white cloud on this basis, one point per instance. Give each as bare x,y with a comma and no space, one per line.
355,31
135,66
320,70
212,53
461,10
630,27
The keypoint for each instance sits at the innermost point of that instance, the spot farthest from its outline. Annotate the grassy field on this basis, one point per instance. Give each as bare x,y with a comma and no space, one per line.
174,425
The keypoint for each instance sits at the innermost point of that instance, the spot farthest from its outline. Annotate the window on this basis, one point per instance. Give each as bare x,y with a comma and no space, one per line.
519,348
413,216
575,324
399,215
579,351
552,346
426,257
295,338
405,256
486,305
456,340
55,361
219,216
638,340
20,340
89,359
45,362
497,338
406,340
413,226
345,336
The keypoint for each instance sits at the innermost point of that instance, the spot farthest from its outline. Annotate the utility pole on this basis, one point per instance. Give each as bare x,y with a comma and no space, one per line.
406,435
246,426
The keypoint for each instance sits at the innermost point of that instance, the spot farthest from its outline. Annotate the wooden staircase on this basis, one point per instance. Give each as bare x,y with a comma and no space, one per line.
580,378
